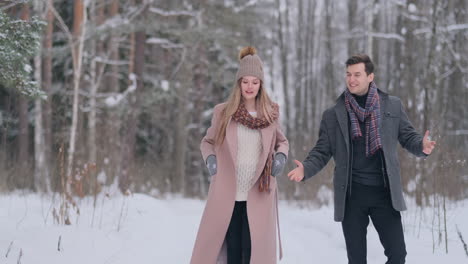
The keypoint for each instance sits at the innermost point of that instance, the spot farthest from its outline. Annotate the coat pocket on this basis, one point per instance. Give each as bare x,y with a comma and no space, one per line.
339,178
389,114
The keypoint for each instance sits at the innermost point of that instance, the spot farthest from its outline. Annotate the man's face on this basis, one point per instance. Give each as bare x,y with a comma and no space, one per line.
357,79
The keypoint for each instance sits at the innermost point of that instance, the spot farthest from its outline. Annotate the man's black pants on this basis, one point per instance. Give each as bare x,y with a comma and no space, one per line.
373,201
238,236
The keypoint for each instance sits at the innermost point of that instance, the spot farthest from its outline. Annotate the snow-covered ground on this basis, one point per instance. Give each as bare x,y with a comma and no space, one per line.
141,229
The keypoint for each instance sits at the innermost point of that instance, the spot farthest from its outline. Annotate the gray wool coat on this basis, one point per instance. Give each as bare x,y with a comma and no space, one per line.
334,141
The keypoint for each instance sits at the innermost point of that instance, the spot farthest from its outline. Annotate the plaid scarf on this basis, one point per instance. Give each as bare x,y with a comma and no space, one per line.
371,115
243,117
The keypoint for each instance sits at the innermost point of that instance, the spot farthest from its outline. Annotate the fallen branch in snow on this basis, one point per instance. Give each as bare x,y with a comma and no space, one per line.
123,208
19,256
58,244
465,247
8,250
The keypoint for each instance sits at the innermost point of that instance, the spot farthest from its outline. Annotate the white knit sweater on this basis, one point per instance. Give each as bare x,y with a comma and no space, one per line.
249,148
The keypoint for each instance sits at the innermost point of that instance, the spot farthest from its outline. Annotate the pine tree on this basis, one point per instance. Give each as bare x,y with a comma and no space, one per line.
19,42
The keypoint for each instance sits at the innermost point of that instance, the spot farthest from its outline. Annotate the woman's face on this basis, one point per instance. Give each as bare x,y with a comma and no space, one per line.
250,86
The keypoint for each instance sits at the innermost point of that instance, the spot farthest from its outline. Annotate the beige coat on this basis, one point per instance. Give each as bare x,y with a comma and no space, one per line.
261,206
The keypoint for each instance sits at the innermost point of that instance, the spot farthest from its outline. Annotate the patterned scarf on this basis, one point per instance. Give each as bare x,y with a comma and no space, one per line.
371,115
243,117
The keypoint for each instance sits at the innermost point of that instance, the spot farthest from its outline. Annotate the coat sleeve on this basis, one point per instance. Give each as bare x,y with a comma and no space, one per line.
408,137
207,145
319,156
281,144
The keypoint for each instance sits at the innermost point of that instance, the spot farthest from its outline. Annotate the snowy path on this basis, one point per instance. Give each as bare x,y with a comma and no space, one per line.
163,231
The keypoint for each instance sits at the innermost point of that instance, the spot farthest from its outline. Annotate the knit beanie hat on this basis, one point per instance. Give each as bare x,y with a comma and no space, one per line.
250,64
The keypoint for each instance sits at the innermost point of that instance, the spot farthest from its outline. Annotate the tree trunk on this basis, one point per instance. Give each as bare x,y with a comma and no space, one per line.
409,93
23,137
375,42
370,24
23,142
46,104
181,126
136,70
79,22
300,76
41,180
352,13
95,69
310,89
284,51
330,75
113,124
41,170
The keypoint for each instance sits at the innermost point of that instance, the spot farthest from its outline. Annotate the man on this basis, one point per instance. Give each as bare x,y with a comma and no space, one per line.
361,132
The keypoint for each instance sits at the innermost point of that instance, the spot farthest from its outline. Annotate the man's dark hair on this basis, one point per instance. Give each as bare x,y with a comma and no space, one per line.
361,58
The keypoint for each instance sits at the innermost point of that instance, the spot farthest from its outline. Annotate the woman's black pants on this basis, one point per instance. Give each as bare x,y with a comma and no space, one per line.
238,236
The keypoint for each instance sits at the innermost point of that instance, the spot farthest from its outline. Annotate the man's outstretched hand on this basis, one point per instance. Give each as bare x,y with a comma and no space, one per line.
298,173
428,145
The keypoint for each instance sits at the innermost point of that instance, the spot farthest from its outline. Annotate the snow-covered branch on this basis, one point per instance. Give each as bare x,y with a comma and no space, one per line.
388,36
449,28
172,13
459,132
113,22
414,17
165,43
457,27
356,34
114,100
250,3
107,61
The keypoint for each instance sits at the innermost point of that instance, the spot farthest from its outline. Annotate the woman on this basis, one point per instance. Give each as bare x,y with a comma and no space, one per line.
244,149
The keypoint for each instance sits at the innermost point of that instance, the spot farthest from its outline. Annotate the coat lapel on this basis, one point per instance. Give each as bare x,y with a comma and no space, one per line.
342,117
383,111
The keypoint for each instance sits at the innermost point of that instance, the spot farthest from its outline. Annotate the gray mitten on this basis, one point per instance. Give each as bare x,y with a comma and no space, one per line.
211,164
278,164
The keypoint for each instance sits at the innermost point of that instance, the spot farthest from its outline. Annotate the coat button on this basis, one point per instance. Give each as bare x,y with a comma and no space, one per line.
342,187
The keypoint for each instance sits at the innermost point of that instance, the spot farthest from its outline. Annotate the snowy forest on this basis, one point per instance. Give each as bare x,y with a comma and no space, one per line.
99,95
121,92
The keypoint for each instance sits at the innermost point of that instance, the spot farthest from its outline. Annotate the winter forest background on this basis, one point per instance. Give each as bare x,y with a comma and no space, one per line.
125,88
99,93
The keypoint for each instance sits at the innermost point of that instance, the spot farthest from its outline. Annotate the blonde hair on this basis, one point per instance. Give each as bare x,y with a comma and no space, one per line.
263,103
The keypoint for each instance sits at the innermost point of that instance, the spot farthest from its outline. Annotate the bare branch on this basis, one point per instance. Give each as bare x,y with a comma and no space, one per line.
64,28
177,68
